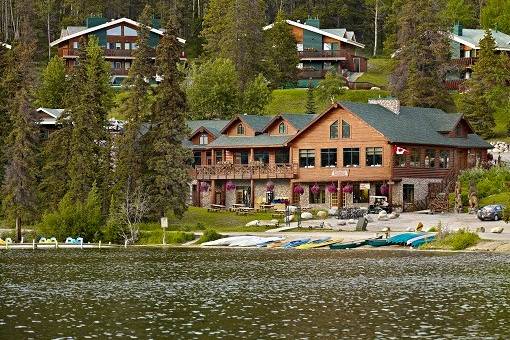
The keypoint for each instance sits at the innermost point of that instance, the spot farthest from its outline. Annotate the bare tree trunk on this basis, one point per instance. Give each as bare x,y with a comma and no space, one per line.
18,229
49,33
375,26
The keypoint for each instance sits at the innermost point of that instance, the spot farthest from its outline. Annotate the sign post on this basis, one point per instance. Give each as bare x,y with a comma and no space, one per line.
164,225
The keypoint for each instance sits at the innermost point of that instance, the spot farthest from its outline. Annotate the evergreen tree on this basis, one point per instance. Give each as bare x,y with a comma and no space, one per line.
212,90
310,100
131,152
487,90
20,181
256,96
51,92
281,57
423,56
460,11
168,161
6,62
495,15
330,88
88,105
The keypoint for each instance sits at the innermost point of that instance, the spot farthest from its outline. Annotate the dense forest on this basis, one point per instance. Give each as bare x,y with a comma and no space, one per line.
373,21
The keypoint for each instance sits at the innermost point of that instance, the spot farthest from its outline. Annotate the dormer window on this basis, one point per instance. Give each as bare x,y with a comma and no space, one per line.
458,131
346,130
204,139
333,130
240,129
281,128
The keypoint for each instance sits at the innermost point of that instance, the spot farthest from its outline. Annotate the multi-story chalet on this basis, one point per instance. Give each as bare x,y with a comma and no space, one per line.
117,37
324,49
465,45
408,154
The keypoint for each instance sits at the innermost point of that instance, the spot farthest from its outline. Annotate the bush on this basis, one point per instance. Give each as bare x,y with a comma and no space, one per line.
459,240
172,237
209,235
488,182
74,219
28,236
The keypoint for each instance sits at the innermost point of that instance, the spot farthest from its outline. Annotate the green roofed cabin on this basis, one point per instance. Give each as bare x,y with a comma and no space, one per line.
324,49
411,155
117,37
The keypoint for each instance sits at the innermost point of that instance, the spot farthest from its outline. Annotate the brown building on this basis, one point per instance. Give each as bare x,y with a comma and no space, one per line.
346,154
117,37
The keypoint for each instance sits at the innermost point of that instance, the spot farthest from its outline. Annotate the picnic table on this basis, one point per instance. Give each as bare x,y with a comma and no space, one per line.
245,210
216,207
236,206
266,207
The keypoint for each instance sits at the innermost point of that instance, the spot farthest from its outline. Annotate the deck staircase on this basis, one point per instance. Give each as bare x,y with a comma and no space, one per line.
438,197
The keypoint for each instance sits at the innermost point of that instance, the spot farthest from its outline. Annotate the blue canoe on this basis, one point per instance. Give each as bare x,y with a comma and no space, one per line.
295,243
420,240
402,239
377,242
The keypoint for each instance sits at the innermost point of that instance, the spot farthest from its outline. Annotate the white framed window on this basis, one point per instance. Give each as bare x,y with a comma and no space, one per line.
327,46
127,46
127,65
204,139
118,45
300,47
75,44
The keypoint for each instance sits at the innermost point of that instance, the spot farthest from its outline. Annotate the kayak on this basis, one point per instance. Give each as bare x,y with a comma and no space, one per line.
402,239
348,245
247,240
318,245
295,243
377,242
258,241
226,241
312,243
420,240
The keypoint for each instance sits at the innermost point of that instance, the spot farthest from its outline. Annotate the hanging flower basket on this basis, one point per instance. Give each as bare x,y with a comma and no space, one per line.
204,186
270,186
298,189
347,189
315,189
332,188
230,186
384,189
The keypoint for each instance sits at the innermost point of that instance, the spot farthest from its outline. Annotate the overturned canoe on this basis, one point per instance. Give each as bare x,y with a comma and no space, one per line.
421,240
312,243
348,245
295,243
401,239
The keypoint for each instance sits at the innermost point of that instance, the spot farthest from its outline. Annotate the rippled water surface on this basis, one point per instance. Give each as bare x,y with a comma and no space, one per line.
199,293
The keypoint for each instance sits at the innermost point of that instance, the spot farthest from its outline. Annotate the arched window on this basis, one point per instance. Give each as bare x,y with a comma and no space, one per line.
240,129
281,128
346,130
333,130
204,139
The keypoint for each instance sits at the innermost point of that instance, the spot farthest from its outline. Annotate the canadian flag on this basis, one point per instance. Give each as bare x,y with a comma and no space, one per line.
400,151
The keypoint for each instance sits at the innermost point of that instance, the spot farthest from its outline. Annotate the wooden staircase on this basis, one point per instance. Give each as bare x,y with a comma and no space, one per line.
438,197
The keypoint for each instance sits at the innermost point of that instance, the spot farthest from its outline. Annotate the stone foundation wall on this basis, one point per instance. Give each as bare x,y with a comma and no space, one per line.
421,188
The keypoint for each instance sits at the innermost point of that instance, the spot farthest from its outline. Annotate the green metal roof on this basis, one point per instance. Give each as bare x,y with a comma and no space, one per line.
414,125
215,126
258,140
298,120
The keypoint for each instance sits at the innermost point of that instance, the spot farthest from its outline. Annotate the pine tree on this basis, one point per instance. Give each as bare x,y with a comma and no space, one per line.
281,57
460,11
330,88
20,182
130,149
423,56
256,96
168,161
310,100
88,105
51,92
6,61
487,90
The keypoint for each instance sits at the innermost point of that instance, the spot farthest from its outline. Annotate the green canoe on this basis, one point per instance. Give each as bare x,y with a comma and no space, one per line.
348,245
377,242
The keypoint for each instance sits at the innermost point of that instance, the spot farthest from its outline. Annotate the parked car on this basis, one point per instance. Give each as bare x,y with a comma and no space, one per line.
492,212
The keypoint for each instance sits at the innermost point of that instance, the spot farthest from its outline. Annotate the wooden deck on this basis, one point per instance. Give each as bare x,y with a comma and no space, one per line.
245,171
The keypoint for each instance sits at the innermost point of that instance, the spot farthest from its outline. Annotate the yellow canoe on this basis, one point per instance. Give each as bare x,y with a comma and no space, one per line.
318,245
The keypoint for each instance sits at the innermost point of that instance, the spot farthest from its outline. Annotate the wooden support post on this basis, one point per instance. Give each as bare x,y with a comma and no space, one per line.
340,195
252,192
213,191
390,192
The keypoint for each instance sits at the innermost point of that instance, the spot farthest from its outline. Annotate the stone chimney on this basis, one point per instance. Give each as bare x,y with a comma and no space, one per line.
392,104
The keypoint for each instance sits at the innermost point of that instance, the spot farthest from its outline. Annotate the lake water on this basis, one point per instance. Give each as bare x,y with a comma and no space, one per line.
225,293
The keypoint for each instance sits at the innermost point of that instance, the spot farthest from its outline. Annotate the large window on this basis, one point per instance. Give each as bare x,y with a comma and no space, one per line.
414,158
240,129
307,158
328,158
219,156
360,195
114,31
241,157
399,160
346,130
430,158
318,198
444,159
333,130
374,156
204,139
282,156
197,158
281,128
129,32
261,156
351,157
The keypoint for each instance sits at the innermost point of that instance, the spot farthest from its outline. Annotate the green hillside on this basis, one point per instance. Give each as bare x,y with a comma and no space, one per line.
378,72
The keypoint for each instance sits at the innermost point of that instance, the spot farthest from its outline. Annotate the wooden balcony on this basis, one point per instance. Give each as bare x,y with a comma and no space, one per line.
245,171
310,73
108,53
454,84
469,61
312,55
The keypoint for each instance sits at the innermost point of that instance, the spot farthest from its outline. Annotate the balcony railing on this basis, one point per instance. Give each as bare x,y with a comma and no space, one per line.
323,54
245,171
454,84
73,52
469,61
119,72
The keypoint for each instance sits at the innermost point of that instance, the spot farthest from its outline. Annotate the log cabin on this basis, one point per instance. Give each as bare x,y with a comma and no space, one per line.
324,49
411,155
117,37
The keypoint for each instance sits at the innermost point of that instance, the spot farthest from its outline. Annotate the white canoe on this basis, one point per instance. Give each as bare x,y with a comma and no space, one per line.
225,241
247,240
259,241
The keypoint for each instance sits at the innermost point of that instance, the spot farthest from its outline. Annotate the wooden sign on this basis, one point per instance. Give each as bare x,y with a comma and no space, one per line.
164,222
364,186
340,173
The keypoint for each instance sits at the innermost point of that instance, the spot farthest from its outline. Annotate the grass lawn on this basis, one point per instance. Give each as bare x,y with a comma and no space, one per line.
294,100
199,219
378,71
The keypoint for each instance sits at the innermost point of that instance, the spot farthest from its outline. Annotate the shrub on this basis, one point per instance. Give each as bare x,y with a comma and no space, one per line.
28,236
172,237
209,235
459,240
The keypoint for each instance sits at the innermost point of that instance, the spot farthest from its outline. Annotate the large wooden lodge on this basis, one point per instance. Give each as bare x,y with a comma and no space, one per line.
408,154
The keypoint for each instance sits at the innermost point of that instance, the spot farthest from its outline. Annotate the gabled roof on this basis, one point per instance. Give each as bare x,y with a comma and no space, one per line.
76,31
471,38
251,141
257,123
55,113
297,120
7,46
336,33
413,125
213,126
